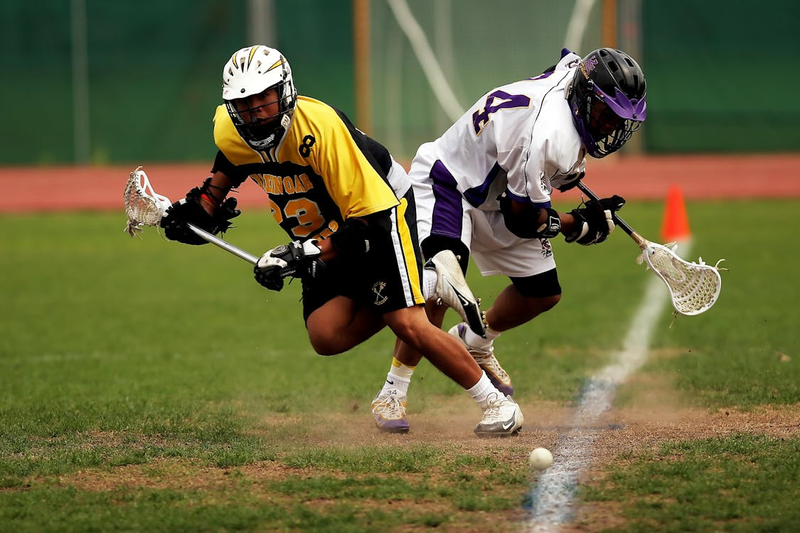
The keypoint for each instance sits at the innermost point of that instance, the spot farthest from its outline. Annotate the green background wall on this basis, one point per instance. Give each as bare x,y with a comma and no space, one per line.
154,77
155,73
722,75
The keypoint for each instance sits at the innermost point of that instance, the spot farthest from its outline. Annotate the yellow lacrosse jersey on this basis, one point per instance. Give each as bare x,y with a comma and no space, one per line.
323,172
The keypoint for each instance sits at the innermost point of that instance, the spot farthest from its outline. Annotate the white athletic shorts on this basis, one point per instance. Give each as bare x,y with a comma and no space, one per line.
442,210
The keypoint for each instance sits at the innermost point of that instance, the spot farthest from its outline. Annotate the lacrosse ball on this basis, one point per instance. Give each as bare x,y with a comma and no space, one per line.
540,458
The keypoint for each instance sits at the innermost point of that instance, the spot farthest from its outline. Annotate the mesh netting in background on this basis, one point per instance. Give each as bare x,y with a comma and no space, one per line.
720,76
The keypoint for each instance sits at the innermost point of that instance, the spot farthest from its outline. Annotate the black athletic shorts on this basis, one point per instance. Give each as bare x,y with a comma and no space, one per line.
387,278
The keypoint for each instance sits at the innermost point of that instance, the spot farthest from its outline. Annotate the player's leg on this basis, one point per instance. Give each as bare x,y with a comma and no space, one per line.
411,325
501,414
340,324
535,289
396,264
510,309
531,266
443,226
442,222
389,404
406,356
336,317
523,300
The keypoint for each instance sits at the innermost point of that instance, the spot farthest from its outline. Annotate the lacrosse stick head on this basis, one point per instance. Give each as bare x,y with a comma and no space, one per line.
143,205
693,287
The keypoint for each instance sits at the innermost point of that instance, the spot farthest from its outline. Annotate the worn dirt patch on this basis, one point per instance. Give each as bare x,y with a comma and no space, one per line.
656,419
644,431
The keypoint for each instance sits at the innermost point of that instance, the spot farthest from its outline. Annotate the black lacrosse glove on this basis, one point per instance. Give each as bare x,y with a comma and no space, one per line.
595,220
190,211
296,259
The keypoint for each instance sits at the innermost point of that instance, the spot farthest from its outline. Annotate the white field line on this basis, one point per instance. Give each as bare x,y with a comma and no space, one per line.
552,495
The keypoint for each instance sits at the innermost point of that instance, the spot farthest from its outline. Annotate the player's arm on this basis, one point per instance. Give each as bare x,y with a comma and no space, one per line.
351,242
341,155
306,259
527,220
353,166
206,207
588,224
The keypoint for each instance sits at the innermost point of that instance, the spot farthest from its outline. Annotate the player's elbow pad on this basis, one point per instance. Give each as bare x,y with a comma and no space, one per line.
352,239
525,223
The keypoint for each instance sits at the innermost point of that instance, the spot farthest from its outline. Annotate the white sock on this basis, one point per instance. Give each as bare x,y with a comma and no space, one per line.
395,383
482,391
428,283
477,341
399,377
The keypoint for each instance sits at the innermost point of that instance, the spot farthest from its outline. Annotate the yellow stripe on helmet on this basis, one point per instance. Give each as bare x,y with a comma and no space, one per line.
252,53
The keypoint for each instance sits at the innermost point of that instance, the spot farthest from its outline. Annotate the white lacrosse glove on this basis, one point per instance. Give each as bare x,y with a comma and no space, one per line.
296,259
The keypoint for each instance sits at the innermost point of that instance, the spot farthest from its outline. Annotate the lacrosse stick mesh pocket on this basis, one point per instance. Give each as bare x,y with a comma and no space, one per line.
694,287
143,206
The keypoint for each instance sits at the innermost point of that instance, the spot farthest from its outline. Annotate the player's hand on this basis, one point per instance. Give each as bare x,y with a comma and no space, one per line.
594,222
190,211
296,259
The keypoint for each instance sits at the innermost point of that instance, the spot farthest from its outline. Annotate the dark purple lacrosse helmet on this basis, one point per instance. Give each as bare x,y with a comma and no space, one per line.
607,98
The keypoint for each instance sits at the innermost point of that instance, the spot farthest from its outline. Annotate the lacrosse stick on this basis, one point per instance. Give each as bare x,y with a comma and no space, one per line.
145,207
694,287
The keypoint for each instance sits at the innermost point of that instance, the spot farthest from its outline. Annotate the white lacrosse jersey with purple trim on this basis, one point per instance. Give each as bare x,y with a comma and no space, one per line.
519,139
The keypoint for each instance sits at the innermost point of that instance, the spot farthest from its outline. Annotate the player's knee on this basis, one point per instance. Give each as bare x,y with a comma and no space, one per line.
326,342
405,330
549,302
540,286
323,347
409,325
533,307
435,312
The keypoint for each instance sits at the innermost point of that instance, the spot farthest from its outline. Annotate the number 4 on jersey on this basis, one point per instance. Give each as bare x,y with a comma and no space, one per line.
496,101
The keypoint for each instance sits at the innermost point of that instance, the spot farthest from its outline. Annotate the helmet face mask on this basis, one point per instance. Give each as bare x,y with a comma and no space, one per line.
608,100
255,79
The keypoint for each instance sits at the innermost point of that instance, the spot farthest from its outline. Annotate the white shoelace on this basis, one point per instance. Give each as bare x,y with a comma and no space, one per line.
389,407
495,404
493,364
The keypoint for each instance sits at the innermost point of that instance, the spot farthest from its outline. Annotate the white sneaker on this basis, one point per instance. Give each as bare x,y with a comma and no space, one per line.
453,291
486,360
502,418
389,411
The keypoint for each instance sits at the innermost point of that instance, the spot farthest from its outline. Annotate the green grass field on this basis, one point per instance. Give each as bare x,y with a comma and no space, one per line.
150,386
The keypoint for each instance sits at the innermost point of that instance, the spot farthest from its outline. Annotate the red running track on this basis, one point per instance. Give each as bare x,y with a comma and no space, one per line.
701,177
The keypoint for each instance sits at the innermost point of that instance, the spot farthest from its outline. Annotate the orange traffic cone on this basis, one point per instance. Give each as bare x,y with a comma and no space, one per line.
675,224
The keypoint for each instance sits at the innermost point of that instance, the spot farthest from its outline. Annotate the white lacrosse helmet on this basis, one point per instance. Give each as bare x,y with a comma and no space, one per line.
251,71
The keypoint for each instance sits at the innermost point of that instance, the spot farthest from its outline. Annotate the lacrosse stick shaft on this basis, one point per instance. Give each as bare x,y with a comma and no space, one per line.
617,220
228,247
